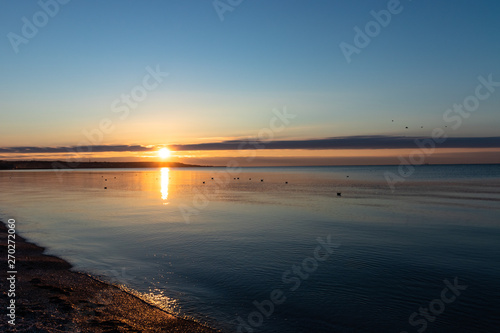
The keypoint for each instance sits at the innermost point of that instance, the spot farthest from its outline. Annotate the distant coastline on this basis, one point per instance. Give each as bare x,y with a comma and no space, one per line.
31,165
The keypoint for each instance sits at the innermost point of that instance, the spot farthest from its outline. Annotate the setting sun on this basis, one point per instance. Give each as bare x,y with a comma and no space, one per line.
164,153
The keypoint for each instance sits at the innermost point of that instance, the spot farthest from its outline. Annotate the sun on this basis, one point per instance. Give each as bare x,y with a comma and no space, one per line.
164,153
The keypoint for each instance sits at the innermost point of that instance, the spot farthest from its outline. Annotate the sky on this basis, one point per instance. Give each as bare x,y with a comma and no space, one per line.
291,82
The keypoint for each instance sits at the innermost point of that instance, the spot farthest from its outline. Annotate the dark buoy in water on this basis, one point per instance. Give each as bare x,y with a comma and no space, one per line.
212,178
105,188
249,178
238,178
203,182
286,182
347,176
262,180
339,194
406,127
105,180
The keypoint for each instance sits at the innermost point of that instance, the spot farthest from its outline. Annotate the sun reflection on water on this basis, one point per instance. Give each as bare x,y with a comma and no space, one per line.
164,183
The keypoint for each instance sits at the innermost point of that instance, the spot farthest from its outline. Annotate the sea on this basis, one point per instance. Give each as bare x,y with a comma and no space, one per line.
280,249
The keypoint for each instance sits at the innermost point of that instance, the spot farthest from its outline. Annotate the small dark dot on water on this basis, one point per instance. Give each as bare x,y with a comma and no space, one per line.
203,182
339,194
262,180
286,182
212,178
249,178
105,188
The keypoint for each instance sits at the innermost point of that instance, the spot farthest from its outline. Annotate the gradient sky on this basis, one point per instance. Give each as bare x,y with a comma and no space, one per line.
225,78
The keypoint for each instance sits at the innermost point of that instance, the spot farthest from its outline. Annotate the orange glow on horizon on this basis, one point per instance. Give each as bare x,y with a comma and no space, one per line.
278,157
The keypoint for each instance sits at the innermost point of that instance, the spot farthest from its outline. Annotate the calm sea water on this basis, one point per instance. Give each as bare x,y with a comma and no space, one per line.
244,255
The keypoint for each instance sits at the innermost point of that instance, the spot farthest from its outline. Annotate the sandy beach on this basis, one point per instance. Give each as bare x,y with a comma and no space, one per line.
50,297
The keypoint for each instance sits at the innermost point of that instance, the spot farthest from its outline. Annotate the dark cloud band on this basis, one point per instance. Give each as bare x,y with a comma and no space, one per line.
351,142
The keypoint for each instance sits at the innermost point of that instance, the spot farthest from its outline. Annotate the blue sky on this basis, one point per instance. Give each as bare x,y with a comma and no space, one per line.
225,77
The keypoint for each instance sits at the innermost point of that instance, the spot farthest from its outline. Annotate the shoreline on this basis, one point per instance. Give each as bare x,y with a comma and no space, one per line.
62,165
50,297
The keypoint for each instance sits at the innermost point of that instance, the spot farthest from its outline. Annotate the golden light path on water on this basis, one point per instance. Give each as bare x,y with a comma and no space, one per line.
164,183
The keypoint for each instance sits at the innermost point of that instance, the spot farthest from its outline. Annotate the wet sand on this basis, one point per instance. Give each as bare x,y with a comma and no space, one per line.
52,298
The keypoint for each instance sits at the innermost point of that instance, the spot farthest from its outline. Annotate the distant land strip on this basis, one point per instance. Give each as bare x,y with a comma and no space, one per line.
26,165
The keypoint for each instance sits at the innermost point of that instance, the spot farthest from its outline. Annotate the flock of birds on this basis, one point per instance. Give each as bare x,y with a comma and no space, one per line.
339,194
105,187
235,178
406,127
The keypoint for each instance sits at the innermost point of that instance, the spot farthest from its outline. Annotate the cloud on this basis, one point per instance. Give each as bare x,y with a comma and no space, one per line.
350,142
77,149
